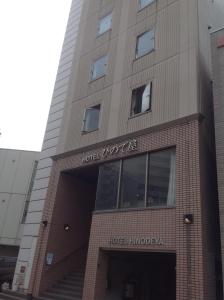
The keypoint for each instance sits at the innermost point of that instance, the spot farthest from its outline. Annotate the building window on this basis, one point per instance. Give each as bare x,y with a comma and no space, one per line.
91,118
141,99
143,181
99,67
143,3
145,43
107,188
161,178
133,182
105,24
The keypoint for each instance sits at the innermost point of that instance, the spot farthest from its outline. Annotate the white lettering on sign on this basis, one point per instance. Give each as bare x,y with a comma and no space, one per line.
136,241
128,146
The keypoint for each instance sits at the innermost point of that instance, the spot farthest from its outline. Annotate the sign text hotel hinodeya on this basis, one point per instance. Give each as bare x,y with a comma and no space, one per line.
126,147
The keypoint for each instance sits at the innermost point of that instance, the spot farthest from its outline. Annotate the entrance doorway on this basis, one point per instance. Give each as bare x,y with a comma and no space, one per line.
69,229
141,276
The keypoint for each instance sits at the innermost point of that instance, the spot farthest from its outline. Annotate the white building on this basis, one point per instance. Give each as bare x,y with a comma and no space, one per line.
17,170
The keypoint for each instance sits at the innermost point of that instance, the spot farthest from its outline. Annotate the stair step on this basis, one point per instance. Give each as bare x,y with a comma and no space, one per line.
9,297
74,292
71,284
13,293
75,277
68,287
78,280
60,296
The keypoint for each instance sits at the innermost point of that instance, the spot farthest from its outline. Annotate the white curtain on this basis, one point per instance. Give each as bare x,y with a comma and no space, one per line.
172,180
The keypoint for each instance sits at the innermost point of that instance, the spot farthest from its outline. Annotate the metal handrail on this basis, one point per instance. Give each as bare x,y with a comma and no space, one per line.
68,255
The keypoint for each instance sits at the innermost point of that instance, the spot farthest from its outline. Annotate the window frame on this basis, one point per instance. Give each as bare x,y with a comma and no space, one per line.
143,7
92,68
131,116
147,168
84,119
137,56
100,20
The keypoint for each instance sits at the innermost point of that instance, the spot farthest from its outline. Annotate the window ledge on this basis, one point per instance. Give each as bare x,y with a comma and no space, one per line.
99,35
139,114
139,57
97,78
90,131
116,210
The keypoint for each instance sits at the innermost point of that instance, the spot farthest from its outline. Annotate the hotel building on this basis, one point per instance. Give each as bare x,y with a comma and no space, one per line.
124,199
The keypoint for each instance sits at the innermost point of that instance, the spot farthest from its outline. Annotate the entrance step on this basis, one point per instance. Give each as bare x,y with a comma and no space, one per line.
69,288
10,295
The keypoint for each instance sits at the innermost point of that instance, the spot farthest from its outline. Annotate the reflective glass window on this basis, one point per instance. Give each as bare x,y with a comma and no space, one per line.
91,118
99,67
145,43
133,176
161,178
107,188
144,3
105,24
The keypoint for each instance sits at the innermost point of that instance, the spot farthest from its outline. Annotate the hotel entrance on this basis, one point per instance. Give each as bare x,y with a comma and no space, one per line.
141,276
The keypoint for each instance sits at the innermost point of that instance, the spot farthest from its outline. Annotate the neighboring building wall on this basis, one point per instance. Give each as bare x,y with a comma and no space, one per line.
217,40
32,226
16,170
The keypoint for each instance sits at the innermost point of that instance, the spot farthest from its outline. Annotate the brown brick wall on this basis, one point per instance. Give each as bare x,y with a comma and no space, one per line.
194,249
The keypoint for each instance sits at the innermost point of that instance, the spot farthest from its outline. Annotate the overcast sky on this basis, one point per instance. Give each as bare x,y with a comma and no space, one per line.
32,33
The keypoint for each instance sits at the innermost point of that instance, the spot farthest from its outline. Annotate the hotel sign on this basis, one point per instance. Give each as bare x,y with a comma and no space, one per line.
109,151
140,241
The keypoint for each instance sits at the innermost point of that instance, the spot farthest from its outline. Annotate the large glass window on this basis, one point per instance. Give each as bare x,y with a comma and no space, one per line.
99,67
133,182
105,24
107,188
144,3
145,43
91,118
143,181
161,181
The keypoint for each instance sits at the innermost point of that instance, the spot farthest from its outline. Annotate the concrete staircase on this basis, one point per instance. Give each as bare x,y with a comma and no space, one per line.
69,288
8,294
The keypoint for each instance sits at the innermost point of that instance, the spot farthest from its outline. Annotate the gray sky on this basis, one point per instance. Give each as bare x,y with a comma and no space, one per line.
32,33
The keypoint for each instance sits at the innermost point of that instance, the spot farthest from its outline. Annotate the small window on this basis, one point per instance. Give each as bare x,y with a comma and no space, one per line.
99,67
145,43
105,24
141,99
91,118
144,3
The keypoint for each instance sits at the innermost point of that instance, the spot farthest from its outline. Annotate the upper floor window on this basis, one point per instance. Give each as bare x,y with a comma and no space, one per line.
141,99
146,180
99,67
105,24
145,43
144,3
91,118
